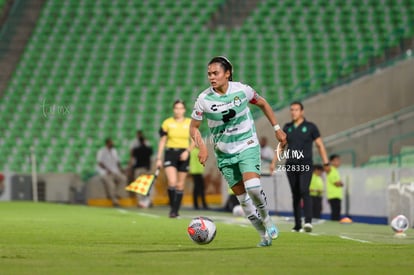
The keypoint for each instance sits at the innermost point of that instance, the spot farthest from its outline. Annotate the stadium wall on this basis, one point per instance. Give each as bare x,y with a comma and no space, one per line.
373,140
372,195
384,92
51,187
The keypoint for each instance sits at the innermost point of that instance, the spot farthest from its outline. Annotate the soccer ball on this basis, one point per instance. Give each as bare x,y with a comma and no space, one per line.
399,224
238,211
201,230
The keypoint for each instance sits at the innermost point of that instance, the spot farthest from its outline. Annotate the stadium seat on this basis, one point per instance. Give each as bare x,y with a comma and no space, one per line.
119,65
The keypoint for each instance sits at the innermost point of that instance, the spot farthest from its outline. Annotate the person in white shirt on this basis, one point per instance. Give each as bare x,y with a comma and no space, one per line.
266,155
110,170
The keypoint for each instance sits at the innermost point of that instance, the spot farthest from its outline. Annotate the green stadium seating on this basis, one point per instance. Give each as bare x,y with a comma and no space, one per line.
118,65
378,161
406,156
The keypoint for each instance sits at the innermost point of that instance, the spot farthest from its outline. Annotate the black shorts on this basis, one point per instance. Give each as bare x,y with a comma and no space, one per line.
172,158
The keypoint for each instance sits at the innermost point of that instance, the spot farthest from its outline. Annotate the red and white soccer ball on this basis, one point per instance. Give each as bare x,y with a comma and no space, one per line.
201,230
399,224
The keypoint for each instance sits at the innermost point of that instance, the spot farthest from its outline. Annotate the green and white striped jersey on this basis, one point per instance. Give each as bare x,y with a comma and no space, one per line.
228,117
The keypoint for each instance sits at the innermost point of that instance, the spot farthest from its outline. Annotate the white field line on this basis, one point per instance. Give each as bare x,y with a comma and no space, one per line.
353,239
149,215
123,211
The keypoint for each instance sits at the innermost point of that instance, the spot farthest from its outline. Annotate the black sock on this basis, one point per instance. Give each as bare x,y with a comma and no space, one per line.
177,201
171,196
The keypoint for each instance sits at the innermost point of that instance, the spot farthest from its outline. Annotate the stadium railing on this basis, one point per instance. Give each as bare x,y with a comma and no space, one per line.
389,159
395,140
369,126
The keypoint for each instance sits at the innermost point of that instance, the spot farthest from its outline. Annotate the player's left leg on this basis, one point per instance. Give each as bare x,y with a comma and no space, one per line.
249,165
235,180
258,196
251,213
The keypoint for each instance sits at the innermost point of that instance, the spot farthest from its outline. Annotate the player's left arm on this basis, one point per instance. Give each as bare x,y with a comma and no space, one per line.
268,112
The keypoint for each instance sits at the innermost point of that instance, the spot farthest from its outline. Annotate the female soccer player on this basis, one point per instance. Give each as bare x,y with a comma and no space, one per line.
175,140
237,150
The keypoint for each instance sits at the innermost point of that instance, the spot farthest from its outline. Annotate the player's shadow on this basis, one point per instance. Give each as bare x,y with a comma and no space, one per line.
187,249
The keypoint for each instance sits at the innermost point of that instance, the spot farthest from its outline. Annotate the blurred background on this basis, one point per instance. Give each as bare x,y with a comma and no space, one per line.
73,72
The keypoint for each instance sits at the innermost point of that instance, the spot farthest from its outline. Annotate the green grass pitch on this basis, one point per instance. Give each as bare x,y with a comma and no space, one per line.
43,238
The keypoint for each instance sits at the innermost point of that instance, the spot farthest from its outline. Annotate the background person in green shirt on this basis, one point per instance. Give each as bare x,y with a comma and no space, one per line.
334,187
316,191
196,171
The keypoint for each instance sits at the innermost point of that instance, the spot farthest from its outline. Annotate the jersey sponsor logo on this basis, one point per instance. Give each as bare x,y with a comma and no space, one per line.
228,115
232,130
215,107
237,101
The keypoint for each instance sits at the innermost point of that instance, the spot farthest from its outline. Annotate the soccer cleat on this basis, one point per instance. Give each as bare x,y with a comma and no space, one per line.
300,230
307,227
265,242
271,228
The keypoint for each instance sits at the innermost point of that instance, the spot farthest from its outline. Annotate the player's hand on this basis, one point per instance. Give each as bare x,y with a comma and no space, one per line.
281,137
158,163
203,155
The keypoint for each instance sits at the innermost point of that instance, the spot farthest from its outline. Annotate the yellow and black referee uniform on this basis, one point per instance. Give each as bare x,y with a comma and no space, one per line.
178,140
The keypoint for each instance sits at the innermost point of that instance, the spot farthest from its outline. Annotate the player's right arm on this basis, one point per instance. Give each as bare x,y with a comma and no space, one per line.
198,140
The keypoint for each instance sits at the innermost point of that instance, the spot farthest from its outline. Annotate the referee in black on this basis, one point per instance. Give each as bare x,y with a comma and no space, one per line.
300,137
